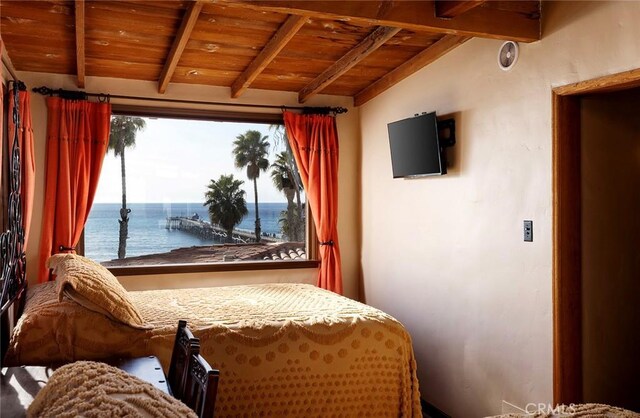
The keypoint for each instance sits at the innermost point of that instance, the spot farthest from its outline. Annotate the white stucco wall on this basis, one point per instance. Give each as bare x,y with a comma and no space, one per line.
446,255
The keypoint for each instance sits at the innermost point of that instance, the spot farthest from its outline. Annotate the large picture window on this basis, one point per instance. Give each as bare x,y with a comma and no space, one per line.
191,191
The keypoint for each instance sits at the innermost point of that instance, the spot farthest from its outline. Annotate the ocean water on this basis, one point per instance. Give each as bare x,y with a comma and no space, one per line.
147,231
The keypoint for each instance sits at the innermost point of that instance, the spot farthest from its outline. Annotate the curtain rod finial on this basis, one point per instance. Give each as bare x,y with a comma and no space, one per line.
63,94
19,84
45,91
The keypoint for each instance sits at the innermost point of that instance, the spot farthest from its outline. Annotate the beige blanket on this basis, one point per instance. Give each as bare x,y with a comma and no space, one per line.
282,349
90,389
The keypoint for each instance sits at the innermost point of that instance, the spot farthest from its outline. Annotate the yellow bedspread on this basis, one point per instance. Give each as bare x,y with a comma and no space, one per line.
282,349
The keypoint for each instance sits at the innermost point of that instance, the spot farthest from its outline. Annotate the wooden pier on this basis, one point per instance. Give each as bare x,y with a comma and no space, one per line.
205,230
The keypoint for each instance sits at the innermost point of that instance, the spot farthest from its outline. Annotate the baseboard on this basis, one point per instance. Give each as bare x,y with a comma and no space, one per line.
431,411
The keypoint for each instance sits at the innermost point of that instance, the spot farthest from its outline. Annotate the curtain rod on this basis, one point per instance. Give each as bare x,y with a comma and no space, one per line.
81,95
20,84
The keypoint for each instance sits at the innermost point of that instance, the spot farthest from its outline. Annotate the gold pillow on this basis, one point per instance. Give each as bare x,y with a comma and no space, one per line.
93,286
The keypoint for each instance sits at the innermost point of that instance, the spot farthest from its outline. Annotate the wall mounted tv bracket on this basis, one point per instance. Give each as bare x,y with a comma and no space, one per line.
447,132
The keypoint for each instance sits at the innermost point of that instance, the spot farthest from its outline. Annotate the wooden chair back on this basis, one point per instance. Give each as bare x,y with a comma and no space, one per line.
184,347
201,387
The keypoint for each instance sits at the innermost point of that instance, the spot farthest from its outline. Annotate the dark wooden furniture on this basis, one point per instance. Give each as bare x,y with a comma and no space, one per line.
184,347
144,368
150,370
13,260
201,387
191,378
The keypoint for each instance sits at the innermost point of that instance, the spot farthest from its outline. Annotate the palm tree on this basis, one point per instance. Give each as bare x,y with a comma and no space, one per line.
123,135
285,223
251,150
227,206
280,137
288,219
282,176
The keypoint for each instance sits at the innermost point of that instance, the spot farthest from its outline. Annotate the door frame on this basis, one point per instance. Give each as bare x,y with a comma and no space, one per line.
567,229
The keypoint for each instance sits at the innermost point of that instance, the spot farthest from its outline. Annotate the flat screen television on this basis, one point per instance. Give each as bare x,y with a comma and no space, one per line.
416,150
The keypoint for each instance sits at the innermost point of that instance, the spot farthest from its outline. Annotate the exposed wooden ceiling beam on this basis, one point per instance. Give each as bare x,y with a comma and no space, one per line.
278,41
412,15
424,58
6,61
452,8
80,61
179,43
369,44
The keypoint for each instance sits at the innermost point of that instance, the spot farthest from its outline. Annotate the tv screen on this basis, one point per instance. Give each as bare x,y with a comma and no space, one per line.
415,147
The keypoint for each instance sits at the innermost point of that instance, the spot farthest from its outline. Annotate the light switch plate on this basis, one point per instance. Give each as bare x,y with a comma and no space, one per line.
528,231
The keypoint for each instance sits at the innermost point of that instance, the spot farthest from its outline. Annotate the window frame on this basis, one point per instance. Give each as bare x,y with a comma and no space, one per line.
312,247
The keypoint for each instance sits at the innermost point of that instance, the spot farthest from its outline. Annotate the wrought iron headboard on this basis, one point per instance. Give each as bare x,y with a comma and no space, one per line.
13,262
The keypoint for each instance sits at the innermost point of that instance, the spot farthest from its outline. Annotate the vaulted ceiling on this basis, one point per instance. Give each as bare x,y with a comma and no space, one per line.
353,48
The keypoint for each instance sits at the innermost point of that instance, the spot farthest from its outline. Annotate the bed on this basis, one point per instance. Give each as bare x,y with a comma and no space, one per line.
282,349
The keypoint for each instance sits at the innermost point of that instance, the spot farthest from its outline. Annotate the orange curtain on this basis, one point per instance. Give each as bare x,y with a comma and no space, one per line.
27,159
77,141
314,142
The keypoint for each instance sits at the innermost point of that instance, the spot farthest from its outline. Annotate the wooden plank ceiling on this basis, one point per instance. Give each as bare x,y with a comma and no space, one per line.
352,48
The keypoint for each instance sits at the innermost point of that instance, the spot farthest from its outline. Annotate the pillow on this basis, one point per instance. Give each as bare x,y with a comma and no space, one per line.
93,286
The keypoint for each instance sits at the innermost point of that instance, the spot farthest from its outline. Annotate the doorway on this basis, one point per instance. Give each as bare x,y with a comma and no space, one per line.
593,286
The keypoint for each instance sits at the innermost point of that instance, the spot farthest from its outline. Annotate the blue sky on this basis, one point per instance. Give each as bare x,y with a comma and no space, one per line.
174,159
